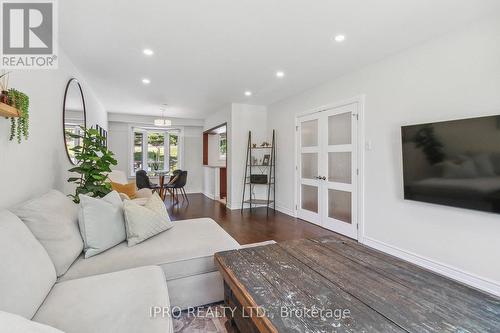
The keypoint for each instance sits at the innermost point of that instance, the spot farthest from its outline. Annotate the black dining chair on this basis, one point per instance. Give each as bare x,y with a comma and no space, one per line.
177,184
142,181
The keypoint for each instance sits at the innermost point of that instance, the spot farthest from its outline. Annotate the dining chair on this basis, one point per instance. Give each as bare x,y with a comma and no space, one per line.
142,181
177,185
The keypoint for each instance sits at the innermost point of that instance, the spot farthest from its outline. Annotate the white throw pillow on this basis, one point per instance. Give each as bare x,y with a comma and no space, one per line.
16,324
53,219
102,224
145,221
466,169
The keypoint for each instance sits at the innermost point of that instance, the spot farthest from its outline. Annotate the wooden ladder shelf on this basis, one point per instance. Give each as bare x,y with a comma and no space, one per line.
8,111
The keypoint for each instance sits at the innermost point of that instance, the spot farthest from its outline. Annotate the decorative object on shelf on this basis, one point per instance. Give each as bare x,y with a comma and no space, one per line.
265,144
267,176
94,162
14,104
74,116
265,160
258,179
4,83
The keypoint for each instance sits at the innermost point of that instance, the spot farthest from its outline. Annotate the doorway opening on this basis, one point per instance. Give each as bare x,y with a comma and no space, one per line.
215,155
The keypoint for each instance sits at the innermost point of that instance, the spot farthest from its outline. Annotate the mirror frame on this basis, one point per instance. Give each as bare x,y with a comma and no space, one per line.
64,113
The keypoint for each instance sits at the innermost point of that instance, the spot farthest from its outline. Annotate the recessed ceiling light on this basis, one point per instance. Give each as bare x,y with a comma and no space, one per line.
280,74
339,38
146,81
248,93
148,52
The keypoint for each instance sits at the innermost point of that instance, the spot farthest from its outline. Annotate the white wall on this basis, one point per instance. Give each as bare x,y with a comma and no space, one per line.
35,166
119,144
452,77
244,118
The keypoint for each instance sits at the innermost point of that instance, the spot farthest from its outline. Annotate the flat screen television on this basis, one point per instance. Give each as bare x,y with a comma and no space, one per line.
454,163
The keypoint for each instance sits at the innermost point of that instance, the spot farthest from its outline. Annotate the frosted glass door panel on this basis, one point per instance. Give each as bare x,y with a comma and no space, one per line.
339,129
310,198
309,165
339,205
309,133
339,167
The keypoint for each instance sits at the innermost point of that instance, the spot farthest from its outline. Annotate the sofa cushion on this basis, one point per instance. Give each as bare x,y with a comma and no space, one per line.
186,249
16,324
26,272
53,219
146,221
101,221
115,302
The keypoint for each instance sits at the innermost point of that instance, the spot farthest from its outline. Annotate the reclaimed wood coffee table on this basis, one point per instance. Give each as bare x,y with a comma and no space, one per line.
334,284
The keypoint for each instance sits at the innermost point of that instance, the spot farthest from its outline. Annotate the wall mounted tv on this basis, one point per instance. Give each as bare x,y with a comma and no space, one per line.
454,163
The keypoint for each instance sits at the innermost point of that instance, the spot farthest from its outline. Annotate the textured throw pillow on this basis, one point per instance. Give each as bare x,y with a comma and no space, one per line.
16,324
145,221
102,224
129,189
53,219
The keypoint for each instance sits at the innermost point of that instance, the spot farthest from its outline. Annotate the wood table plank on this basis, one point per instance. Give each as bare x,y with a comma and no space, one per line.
441,291
307,289
401,303
381,292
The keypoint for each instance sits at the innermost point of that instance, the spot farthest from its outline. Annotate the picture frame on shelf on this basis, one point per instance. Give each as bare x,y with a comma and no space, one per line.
266,159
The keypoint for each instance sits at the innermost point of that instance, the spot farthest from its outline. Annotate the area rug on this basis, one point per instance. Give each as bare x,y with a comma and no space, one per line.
207,319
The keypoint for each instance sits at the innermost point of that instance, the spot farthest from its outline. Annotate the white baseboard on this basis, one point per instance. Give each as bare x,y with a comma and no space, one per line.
208,195
490,286
285,210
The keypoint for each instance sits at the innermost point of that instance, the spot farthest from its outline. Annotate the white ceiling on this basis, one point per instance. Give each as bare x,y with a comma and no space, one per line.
208,52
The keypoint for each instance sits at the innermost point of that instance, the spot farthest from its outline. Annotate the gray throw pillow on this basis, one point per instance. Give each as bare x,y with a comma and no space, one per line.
101,223
145,221
53,219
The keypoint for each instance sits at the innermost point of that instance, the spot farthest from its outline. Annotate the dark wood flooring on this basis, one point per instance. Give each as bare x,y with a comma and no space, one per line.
249,227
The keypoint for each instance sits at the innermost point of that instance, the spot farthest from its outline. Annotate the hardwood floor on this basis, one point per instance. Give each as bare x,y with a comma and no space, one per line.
248,227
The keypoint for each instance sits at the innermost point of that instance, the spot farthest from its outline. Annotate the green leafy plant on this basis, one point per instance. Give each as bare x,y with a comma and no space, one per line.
19,126
94,162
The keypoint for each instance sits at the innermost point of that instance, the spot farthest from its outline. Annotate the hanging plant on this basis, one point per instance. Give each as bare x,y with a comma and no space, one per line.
19,127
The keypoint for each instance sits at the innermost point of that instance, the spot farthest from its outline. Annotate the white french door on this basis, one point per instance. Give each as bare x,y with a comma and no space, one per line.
328,169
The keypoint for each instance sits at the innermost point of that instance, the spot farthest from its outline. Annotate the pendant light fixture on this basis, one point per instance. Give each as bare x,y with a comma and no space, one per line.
163,122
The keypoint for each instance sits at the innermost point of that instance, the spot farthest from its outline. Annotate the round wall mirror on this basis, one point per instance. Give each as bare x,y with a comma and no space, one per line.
74,116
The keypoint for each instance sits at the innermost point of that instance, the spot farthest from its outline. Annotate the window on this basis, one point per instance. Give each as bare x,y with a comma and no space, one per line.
70,141
222,146
155,150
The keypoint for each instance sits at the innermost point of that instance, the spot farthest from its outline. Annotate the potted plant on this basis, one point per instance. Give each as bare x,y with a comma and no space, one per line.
94,162
20,101
4,82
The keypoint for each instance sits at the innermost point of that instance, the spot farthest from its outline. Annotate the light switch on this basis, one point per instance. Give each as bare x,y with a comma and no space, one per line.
368,145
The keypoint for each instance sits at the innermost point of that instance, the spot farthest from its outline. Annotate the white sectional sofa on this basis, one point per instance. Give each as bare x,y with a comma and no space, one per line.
113,291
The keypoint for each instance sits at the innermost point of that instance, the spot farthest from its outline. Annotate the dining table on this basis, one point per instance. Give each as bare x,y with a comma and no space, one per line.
161,177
